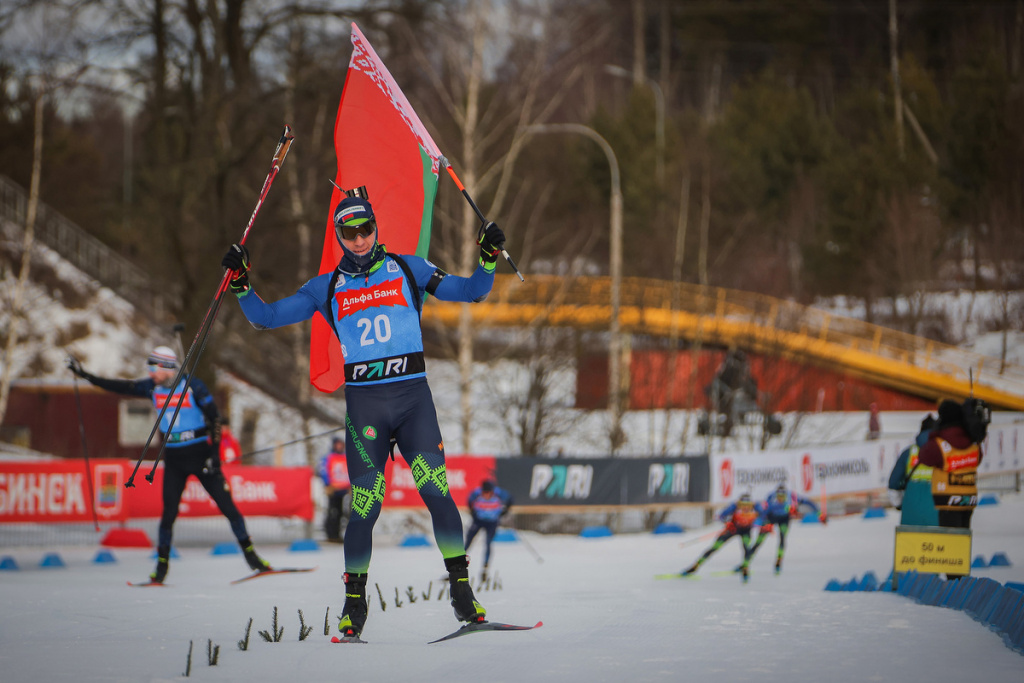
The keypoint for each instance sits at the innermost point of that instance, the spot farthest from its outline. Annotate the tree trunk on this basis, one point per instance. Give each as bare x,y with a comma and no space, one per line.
17,313
469,228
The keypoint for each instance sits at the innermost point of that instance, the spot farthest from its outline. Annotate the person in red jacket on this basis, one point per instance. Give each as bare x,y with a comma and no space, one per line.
954,458
739,519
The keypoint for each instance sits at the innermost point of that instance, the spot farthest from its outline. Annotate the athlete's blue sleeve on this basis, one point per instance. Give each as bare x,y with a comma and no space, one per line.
129,387
726,514
321,470
452,287
296,308
204,399
807,501
898,476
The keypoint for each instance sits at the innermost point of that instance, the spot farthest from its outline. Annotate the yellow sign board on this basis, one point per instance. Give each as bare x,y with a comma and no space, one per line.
932,550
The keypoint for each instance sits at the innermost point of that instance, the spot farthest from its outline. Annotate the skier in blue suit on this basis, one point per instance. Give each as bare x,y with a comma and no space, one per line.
372,302
780,506
487,505
192,445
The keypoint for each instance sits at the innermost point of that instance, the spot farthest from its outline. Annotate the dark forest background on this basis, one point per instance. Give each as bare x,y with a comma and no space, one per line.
870,148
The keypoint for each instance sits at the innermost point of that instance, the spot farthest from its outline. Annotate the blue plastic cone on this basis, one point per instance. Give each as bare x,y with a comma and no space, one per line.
414,541
304,545
52,560
7,563
226,548
1000,560
104,557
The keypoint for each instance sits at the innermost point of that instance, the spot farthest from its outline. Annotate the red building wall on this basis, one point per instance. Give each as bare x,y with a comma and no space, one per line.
784,385
49,417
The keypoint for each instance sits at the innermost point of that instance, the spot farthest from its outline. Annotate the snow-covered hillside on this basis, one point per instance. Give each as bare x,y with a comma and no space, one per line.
72,314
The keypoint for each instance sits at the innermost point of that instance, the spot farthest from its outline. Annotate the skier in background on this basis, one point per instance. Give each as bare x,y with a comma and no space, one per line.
192,447
780,506
739,519
371,301
333,473
487,505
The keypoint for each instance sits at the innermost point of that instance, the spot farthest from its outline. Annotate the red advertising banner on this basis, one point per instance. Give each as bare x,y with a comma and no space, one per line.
465,473
257,491
58,491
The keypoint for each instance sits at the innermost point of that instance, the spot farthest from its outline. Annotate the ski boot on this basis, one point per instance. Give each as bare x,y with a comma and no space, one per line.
738,568
778,566
745,572
353,617
256,563
163,553
691,570
463,601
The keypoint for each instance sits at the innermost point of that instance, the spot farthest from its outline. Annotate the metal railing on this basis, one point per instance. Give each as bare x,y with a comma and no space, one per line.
724,316
84,251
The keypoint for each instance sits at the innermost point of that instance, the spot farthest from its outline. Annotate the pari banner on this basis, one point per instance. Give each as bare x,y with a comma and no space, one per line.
58,491
563,481
604,481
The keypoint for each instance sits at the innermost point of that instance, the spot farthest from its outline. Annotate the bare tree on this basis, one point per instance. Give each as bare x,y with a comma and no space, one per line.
55,64
490,119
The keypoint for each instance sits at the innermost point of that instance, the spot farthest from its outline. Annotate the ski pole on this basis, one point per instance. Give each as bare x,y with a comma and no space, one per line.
479,214
698,539
528,546
292,442
85,452
203,337
211,313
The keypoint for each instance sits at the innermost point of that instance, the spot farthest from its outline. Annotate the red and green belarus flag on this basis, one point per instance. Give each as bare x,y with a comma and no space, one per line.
381,144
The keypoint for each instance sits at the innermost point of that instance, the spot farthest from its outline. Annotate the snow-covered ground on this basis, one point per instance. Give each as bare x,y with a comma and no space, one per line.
606,617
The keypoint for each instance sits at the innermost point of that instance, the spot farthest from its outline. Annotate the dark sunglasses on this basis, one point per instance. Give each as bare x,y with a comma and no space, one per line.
153,367
349,233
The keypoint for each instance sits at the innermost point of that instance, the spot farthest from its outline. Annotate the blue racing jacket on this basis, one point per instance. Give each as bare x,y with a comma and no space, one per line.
489,509
375,316
198,409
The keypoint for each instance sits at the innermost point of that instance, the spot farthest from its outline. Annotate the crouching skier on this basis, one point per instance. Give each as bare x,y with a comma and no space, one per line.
372,302
739,519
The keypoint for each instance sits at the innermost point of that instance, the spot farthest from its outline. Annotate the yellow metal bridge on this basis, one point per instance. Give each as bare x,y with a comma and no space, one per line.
753,322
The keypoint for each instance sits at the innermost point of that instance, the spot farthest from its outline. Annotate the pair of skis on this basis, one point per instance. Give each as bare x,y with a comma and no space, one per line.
476,627
255,575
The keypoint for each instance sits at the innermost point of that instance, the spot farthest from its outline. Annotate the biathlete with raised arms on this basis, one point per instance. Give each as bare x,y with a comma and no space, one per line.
372,302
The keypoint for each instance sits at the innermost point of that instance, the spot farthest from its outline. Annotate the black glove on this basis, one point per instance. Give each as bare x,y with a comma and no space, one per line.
491,240
212,465
75,367
237,260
